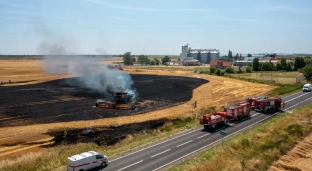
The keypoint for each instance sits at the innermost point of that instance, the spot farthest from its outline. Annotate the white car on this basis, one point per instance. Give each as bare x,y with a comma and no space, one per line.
307,87
86,161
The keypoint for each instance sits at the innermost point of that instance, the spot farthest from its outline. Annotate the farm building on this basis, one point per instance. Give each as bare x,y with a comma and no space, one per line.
220,64
191,62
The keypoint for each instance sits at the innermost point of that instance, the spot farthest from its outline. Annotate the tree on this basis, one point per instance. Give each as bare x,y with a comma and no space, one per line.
299,63
230,54
236,56
308,60
288,67
127,58
156,61
249,55
255,64
283,63
307,72
165,59
152,62
133,59
278,66
267,66
143,60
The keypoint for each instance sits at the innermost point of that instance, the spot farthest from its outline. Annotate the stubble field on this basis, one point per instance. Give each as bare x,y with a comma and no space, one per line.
35,103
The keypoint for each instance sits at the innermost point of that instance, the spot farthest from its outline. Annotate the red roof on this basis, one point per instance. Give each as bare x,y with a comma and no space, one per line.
223,63
227,64
214,62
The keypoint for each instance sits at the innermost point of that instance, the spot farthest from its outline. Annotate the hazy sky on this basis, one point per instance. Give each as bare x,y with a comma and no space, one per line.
154,27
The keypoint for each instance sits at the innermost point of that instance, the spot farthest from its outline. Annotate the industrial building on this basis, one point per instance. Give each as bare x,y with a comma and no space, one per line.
195,56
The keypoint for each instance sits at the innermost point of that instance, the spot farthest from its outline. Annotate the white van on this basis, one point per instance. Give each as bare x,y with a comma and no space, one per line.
86,161
307,87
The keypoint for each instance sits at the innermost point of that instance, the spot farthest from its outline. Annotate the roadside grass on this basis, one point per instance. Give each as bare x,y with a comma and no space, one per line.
54,158
257,148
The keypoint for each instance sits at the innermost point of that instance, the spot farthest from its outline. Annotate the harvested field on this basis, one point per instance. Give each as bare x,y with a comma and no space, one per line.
56,101
299,158
30,110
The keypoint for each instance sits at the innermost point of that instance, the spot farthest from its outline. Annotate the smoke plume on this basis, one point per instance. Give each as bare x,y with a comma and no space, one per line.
91,73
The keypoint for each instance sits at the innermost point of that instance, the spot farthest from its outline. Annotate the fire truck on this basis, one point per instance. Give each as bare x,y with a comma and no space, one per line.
231,113
214,120
238,111
253,101
269,105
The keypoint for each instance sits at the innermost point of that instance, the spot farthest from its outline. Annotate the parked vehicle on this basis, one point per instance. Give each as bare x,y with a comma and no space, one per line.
272,104
214,120
218,119
86,161
238,111
307,87
253,101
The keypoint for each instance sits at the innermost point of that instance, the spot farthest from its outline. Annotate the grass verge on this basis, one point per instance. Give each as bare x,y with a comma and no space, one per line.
55,157
255,149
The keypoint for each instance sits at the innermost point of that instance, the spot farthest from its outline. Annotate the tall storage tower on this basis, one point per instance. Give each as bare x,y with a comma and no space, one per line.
184,52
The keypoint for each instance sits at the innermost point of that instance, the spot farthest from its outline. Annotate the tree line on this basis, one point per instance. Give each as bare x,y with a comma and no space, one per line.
129,59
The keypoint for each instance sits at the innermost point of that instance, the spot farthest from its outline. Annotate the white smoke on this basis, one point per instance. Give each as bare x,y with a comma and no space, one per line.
91,73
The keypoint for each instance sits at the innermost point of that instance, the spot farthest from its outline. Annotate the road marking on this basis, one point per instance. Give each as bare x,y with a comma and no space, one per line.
196,130
213,142
130,165
160,153
291,95
158,143
297,103
184,143
296,98
202,136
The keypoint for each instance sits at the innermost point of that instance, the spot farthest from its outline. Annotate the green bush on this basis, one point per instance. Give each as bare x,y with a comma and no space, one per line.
222,73
217,72
230,70
213,69
248,69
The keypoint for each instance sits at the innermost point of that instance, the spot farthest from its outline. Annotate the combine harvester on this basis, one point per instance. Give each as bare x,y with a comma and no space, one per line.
231,113
122,100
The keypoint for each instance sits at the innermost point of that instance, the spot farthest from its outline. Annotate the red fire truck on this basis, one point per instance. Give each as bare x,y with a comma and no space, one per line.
269,105
253,101
214,120
237,111
219,119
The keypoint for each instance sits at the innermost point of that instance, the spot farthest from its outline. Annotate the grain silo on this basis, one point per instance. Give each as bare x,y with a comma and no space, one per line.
195,54
203,57
214,55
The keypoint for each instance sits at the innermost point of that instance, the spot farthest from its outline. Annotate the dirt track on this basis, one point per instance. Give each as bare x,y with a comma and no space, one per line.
47,106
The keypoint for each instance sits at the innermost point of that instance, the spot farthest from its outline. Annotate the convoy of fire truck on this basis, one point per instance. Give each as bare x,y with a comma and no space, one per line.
241,110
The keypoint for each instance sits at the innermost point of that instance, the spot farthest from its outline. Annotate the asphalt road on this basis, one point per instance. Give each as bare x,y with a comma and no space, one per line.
162,154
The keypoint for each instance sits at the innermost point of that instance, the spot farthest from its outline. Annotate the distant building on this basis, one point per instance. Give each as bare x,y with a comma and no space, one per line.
191,62
220,64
